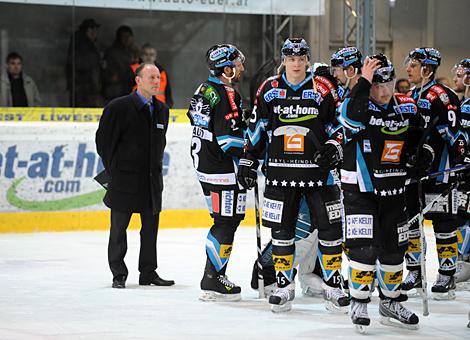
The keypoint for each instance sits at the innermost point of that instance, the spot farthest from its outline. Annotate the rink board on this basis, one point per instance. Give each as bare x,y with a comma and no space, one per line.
47,170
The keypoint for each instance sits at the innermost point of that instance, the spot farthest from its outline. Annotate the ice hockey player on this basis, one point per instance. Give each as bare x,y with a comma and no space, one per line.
217,141
346,66
461,79
446,142
373,178
290,117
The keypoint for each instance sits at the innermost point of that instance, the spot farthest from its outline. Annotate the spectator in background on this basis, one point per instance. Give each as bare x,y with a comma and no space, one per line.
84,67
16,87
444,81
118,74
149,56
402,86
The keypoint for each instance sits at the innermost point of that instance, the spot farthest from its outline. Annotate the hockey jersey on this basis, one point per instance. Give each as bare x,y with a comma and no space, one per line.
217,141
439,107
376,142
290,121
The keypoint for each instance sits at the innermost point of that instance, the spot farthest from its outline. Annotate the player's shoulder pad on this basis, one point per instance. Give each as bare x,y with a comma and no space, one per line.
273,82
325,86
404,99
437,91
209,92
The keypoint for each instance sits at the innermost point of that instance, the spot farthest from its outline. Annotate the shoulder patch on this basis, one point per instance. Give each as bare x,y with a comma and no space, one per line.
401,98
210,93
328,85
441,93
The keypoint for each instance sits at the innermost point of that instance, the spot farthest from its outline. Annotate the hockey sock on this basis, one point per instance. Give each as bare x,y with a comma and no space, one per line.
390,277
283,258
361,277
413,253
330,258
447,251
218,254
463,240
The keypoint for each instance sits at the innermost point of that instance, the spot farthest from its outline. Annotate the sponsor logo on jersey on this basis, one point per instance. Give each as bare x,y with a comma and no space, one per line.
390,127
359,226
231,115
441,206
275,93
424,104
202,133
311,94
367,148
362,277
405,108
274,83
295,113
294,143
215,202
231,97
283,262
211,95
332,262
465,108
227,203
392,151
447,251
333,210
272,210
393,278
225,251
373,107
241,204
403,234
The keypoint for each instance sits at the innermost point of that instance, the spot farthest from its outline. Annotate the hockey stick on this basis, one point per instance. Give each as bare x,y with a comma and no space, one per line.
438,173
258,244
424,284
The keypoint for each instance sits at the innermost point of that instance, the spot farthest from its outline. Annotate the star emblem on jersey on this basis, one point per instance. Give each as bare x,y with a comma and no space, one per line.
390,192
274,182
284,183
301,184
267,181
293,183
311,184
319,183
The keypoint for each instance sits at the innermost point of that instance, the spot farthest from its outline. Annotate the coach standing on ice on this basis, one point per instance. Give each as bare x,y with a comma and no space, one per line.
130,140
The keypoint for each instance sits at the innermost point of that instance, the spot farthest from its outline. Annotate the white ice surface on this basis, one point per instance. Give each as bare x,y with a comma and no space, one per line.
58,286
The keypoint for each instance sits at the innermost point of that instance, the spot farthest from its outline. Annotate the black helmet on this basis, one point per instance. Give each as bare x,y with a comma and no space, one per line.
425,55
464,65
386,71
346,56
219,56
295,47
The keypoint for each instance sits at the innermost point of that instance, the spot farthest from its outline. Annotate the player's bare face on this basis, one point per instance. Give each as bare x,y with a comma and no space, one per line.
339,75
239,69
148,83
381,93
296,68
458,79
413,69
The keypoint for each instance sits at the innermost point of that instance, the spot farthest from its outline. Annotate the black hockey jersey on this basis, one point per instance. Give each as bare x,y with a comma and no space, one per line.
439,107
376,141
217,141
291,121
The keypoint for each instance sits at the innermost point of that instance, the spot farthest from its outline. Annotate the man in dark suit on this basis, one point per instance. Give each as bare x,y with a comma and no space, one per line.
130,140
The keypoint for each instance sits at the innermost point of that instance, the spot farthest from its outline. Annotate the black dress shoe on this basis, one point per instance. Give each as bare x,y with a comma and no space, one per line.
119,282
154,280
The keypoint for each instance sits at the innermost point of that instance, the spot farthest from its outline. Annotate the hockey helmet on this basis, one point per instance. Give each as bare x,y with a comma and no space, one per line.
425,55
295,47
346,56
462,67
386,72
219,56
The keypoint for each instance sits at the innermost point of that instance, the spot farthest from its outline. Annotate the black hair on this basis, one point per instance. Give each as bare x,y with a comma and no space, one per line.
121,30
13,55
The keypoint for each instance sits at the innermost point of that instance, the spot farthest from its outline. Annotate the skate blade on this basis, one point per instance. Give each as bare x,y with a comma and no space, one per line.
388,321
463,285
450,295
282,308
207,295
414,292
361,329
331,307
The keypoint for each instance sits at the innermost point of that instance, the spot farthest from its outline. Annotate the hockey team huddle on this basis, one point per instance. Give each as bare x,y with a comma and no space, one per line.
349,167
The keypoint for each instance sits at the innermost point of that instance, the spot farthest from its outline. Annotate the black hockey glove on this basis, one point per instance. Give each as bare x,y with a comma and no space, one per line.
247,174
464,175
420,163
329,156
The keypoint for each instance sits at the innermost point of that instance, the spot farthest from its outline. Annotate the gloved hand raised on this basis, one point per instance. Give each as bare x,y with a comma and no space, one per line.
247,174
420,162
329,156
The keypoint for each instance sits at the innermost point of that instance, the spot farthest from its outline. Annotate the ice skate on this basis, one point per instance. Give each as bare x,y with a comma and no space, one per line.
281,299
393,313
311,284
219,288
412,286
359,316
444,287
335,299
462,275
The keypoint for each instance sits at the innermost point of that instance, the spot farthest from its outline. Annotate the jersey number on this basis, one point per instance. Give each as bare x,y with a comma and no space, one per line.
195,148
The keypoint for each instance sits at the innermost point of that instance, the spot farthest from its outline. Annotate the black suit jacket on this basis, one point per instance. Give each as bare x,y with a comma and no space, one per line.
131,145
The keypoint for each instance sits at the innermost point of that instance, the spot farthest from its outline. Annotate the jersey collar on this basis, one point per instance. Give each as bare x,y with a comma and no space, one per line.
299,85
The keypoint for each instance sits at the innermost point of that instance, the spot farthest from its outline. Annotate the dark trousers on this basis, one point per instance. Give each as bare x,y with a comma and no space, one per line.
117,246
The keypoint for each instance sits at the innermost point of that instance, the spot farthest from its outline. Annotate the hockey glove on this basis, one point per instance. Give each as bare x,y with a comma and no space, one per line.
420,163
329,156
247,174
